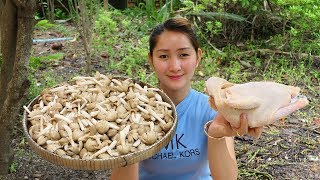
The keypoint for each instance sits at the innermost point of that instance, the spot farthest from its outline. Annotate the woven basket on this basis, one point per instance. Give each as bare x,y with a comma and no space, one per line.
101,164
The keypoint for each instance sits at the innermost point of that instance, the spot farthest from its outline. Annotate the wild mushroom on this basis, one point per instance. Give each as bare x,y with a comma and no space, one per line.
74,147
60,152
54,134
63,141
53,147
42,140
104,149
77,133
166,126
149,137
154,114
102,126
124,147
99,117
111,115
133,135
91,145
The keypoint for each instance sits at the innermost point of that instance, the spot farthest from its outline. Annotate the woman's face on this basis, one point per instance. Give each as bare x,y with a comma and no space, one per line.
174,61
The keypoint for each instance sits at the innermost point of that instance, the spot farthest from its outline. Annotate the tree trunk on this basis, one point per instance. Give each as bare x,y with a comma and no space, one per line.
8,46
1,9
15,63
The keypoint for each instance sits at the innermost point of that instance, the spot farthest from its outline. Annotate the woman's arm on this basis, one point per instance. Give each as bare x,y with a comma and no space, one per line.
221,154
128,172
222,159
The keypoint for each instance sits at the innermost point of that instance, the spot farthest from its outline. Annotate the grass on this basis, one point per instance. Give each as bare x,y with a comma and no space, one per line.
36,62
44,25
45,80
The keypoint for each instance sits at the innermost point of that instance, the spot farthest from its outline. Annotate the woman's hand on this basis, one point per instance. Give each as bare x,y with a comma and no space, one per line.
220,127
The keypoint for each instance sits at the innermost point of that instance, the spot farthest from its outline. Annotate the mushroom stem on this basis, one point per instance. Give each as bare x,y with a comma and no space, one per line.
113,126
45,109
58,116
45,130
142,98
104,149
163,103
85,102
102,109
85,114
69,131
121,95
135,117
81,125
79,108
61,88
139,87
154,114
142,109
137,143
158,97
117,82
123,101
96,81
123,134
93,121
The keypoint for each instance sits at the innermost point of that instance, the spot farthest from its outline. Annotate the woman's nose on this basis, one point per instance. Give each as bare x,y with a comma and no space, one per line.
175,64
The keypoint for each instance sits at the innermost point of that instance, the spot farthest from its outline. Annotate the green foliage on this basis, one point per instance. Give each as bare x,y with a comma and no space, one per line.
46,80
304,15
161,13
128,51
44,24
37,16
60,14
105,24
13,167
35,62
241,20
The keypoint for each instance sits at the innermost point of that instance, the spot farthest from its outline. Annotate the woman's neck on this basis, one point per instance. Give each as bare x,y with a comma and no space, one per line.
176,96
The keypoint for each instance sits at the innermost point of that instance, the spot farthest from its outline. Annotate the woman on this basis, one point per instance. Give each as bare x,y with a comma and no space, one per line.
174,55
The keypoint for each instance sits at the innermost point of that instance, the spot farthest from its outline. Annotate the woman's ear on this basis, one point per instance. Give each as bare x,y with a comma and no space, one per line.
150,59
199,56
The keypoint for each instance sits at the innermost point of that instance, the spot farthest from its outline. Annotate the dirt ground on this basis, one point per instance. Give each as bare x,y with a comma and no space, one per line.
289,149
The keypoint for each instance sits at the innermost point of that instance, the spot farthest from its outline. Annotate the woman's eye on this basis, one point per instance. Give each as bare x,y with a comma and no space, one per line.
184,55
163,56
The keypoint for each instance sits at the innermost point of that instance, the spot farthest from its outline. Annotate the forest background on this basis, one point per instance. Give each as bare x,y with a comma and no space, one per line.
242,41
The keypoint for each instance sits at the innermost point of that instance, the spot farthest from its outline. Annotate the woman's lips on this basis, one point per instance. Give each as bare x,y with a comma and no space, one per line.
175,77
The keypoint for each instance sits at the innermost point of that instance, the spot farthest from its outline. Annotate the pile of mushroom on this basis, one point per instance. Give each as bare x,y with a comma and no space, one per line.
99,117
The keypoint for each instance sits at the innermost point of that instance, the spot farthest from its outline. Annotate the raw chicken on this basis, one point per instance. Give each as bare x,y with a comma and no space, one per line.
263,102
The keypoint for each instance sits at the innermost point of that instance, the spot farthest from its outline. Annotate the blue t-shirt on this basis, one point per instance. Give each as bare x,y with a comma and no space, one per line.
186,156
